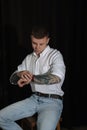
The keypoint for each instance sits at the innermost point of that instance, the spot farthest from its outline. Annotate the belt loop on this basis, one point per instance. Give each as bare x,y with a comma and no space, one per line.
49,95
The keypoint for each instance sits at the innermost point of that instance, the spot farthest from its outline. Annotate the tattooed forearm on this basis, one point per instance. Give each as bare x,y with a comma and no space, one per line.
14,78
46,79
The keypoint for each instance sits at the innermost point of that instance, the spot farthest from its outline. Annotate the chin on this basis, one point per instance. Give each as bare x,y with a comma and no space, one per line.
37,52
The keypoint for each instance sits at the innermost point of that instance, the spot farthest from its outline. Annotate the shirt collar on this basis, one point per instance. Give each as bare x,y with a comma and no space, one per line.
44,51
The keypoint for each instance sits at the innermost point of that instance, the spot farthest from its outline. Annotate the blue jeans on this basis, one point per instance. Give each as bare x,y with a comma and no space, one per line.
49,111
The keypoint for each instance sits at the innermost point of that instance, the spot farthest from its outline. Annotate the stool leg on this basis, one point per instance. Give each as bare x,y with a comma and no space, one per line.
58,126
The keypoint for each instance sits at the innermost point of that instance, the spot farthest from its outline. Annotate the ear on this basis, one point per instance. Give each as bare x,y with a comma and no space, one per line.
48,40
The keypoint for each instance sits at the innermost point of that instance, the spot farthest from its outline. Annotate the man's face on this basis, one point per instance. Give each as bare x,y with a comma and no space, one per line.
39,45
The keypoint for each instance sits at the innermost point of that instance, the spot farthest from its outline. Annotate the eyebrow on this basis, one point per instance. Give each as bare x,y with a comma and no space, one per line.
37,43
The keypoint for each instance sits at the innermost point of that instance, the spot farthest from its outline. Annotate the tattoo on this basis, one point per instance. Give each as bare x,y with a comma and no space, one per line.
14,78
46,79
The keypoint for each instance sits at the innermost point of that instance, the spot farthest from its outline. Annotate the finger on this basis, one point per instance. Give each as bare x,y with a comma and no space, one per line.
26,76
21,83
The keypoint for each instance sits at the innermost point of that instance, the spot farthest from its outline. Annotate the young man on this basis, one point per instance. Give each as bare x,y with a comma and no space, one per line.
44,70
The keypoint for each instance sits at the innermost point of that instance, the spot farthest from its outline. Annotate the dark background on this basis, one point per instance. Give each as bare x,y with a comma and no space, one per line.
67,21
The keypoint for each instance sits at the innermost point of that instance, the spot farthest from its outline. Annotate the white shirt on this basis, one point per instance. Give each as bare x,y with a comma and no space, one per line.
49,60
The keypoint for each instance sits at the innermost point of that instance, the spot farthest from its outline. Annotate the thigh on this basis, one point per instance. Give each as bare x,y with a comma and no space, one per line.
19,109
49,115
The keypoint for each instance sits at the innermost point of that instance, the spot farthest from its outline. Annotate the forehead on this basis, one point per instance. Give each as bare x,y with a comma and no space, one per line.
40,40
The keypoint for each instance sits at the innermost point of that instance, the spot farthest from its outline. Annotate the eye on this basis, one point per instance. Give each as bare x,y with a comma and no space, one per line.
41,44
33,43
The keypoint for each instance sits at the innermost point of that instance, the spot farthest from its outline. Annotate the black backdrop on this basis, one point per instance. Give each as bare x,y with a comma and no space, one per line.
68,26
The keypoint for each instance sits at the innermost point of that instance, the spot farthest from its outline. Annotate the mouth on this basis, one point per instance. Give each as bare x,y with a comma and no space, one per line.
38,52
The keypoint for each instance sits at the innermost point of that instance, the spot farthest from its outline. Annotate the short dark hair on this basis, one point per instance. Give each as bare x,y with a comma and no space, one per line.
40,31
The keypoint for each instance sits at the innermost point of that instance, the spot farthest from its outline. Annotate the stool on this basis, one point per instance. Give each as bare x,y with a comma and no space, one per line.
58,124
31,123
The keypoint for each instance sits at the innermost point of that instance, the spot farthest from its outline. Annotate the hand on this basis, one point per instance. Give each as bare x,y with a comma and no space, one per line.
25,78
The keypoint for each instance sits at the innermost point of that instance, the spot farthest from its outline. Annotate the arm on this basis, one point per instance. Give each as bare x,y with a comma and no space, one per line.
57,67
21,78
46,78
14,78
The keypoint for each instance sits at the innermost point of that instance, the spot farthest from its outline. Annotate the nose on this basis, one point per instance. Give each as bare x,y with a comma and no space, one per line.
37,46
